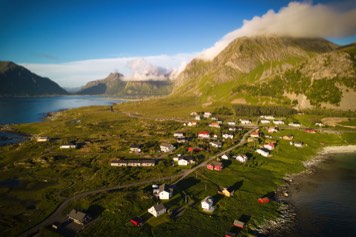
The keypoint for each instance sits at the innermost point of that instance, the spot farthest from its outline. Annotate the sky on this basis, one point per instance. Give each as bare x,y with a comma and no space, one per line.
73,42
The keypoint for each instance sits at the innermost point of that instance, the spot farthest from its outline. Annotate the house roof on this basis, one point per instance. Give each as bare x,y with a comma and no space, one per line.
165,187
166,145
206,133
77,215
216,163
159,207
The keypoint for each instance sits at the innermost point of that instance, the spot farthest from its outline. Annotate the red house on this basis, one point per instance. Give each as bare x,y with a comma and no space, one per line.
136,221
215,165
204,135
263,200
309,130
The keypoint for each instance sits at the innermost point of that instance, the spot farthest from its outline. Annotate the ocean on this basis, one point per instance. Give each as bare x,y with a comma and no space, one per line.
33,109
325,201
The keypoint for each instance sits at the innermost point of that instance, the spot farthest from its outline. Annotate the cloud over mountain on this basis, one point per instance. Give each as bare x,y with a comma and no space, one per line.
296,20
141,70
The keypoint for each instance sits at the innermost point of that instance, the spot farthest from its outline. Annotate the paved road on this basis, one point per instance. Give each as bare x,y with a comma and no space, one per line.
56,215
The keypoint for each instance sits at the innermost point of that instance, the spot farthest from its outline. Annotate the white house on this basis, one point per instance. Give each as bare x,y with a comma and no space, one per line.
264,121
319,124
197,117
207,204
42,139
207,115
278,122
204,135
263,152
245,121
228,136
294,124
215,144
269,146
192,124
135,148
178,135
167,147
272,129
68,146
214,125
157,210
242,158
232,129
165,192
231,123
255,133
186,160
297,144
224,157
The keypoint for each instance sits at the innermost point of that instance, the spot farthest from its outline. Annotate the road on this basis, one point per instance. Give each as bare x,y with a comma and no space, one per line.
56,215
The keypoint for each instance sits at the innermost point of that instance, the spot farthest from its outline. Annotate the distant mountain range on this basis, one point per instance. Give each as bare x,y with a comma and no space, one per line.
16,80
269,70
115,85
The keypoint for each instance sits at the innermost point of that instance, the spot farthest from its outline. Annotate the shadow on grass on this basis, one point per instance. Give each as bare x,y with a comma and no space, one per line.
186,184
95,211
271,196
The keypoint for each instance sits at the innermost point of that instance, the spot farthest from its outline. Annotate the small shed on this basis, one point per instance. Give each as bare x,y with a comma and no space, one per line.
263,200
239,224
136,221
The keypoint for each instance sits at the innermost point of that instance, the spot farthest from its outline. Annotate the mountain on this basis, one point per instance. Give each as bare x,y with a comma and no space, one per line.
302,72
115,85
16,80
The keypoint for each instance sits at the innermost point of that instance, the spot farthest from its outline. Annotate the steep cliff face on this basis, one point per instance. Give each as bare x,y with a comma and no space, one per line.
300,72
16,80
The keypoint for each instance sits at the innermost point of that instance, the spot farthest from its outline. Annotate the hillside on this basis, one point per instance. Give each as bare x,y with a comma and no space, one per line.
16,80
115,85
301,72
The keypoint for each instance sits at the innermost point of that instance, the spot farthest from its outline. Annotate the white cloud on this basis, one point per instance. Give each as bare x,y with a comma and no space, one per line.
142,70
78,73
296,20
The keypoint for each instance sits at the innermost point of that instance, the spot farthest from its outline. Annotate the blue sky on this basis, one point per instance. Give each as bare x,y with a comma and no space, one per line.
59,32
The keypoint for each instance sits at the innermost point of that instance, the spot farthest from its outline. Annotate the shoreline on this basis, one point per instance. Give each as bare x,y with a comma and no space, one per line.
286,220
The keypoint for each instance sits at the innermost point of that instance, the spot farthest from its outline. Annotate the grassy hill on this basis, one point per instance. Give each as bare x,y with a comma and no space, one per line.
300,72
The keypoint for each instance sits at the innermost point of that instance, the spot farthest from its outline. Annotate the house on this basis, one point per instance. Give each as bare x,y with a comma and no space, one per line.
242,158
224,157
232,129
294,124
186,160
231,123
297,144
263,152
78,217
193,114
265,121
278,122
255,133
204,135
137,162
214,118
215,144
288,137
179,135
181,140
167,147
214,125
269,117
135,148
269,146
228,136
119,163
197,117
309,130
192,124
319,125
165,192
207,115
207,204
157,210
136,221
230,234
148,162
42,139
272,129
68,146
263,200
239,224
227,192
215,165
245,121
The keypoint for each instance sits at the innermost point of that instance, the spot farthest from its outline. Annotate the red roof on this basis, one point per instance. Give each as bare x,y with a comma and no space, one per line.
206,133
263,200
136,221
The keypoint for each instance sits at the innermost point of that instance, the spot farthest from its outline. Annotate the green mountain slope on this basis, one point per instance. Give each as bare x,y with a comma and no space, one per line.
16,80
300,72
115,85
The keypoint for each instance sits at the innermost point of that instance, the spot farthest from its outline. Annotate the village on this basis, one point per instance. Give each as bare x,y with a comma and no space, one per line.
195,143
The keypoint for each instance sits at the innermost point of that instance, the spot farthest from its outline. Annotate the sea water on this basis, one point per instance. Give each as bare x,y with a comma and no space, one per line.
325,201
33,109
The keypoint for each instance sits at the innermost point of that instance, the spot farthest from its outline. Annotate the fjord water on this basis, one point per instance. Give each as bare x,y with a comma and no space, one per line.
325,201
33,109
